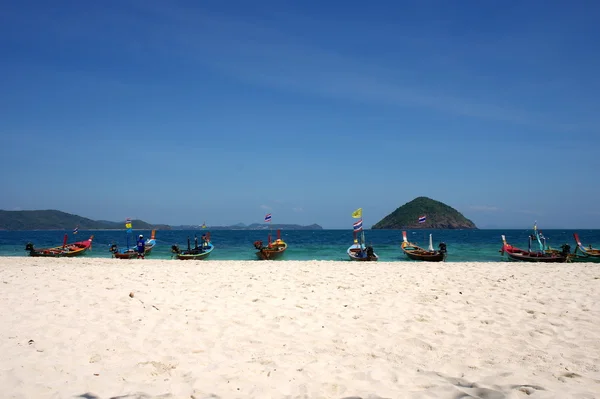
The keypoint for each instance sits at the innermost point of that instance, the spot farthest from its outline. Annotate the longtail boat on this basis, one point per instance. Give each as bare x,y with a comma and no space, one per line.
132,252
589,253
515,253
65,250
564,251
151,243
273,249
415,252
359,251
198,252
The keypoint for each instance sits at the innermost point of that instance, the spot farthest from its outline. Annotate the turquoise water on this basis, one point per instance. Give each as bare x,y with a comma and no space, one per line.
463,245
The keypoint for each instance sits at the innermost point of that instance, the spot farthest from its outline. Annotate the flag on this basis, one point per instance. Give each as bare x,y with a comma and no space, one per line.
128,225
268,217
76,229
422,219
357,214
358,225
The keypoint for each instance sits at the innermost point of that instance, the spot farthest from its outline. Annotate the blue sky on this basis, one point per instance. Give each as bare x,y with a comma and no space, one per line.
183,111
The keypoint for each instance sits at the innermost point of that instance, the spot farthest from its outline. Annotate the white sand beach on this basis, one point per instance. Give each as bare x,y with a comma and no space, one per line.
250,329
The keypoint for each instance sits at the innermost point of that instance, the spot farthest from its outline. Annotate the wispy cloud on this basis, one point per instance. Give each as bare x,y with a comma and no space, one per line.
273,54
484,208
314,72
265,55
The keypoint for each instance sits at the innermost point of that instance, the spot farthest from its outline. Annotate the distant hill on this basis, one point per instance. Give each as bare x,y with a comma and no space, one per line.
57,220
253,226
438,216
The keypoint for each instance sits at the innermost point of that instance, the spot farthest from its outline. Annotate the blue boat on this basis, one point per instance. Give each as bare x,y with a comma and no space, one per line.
198,252
131,252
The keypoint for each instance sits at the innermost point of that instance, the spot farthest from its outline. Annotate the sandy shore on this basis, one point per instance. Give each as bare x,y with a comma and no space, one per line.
297,329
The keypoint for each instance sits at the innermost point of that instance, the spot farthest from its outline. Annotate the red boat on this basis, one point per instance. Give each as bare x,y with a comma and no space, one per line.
73,249
531,256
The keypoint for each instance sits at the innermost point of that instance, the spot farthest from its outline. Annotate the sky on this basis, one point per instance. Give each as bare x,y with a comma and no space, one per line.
180,112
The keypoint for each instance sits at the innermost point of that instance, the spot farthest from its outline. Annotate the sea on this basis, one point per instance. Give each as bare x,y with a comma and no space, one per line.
462,245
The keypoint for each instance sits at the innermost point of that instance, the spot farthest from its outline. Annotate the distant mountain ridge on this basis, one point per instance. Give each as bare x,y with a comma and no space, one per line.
58,220
437,216
253,226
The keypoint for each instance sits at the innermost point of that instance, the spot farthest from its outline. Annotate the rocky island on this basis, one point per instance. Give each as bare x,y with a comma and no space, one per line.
437,216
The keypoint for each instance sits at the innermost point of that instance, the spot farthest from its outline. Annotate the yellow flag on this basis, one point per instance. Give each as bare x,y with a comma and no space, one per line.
357,214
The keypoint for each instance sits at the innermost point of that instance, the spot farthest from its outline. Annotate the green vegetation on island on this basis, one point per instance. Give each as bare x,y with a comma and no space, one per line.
57,220
437,216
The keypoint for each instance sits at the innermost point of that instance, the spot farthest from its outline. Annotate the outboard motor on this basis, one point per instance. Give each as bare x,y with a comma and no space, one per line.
175,249
370,252
566,249
114,248
442,247
258,245
29,247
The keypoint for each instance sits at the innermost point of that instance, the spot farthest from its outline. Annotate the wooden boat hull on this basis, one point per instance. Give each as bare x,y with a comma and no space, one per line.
584,258
592,254
195,254
515,253
150,244
130,254
424,255
357,253
191,256
67,251
276,252
536,257
414,252
417,253
572,257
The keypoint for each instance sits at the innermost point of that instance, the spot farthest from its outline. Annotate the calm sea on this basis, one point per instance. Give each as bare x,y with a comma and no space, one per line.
463,245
